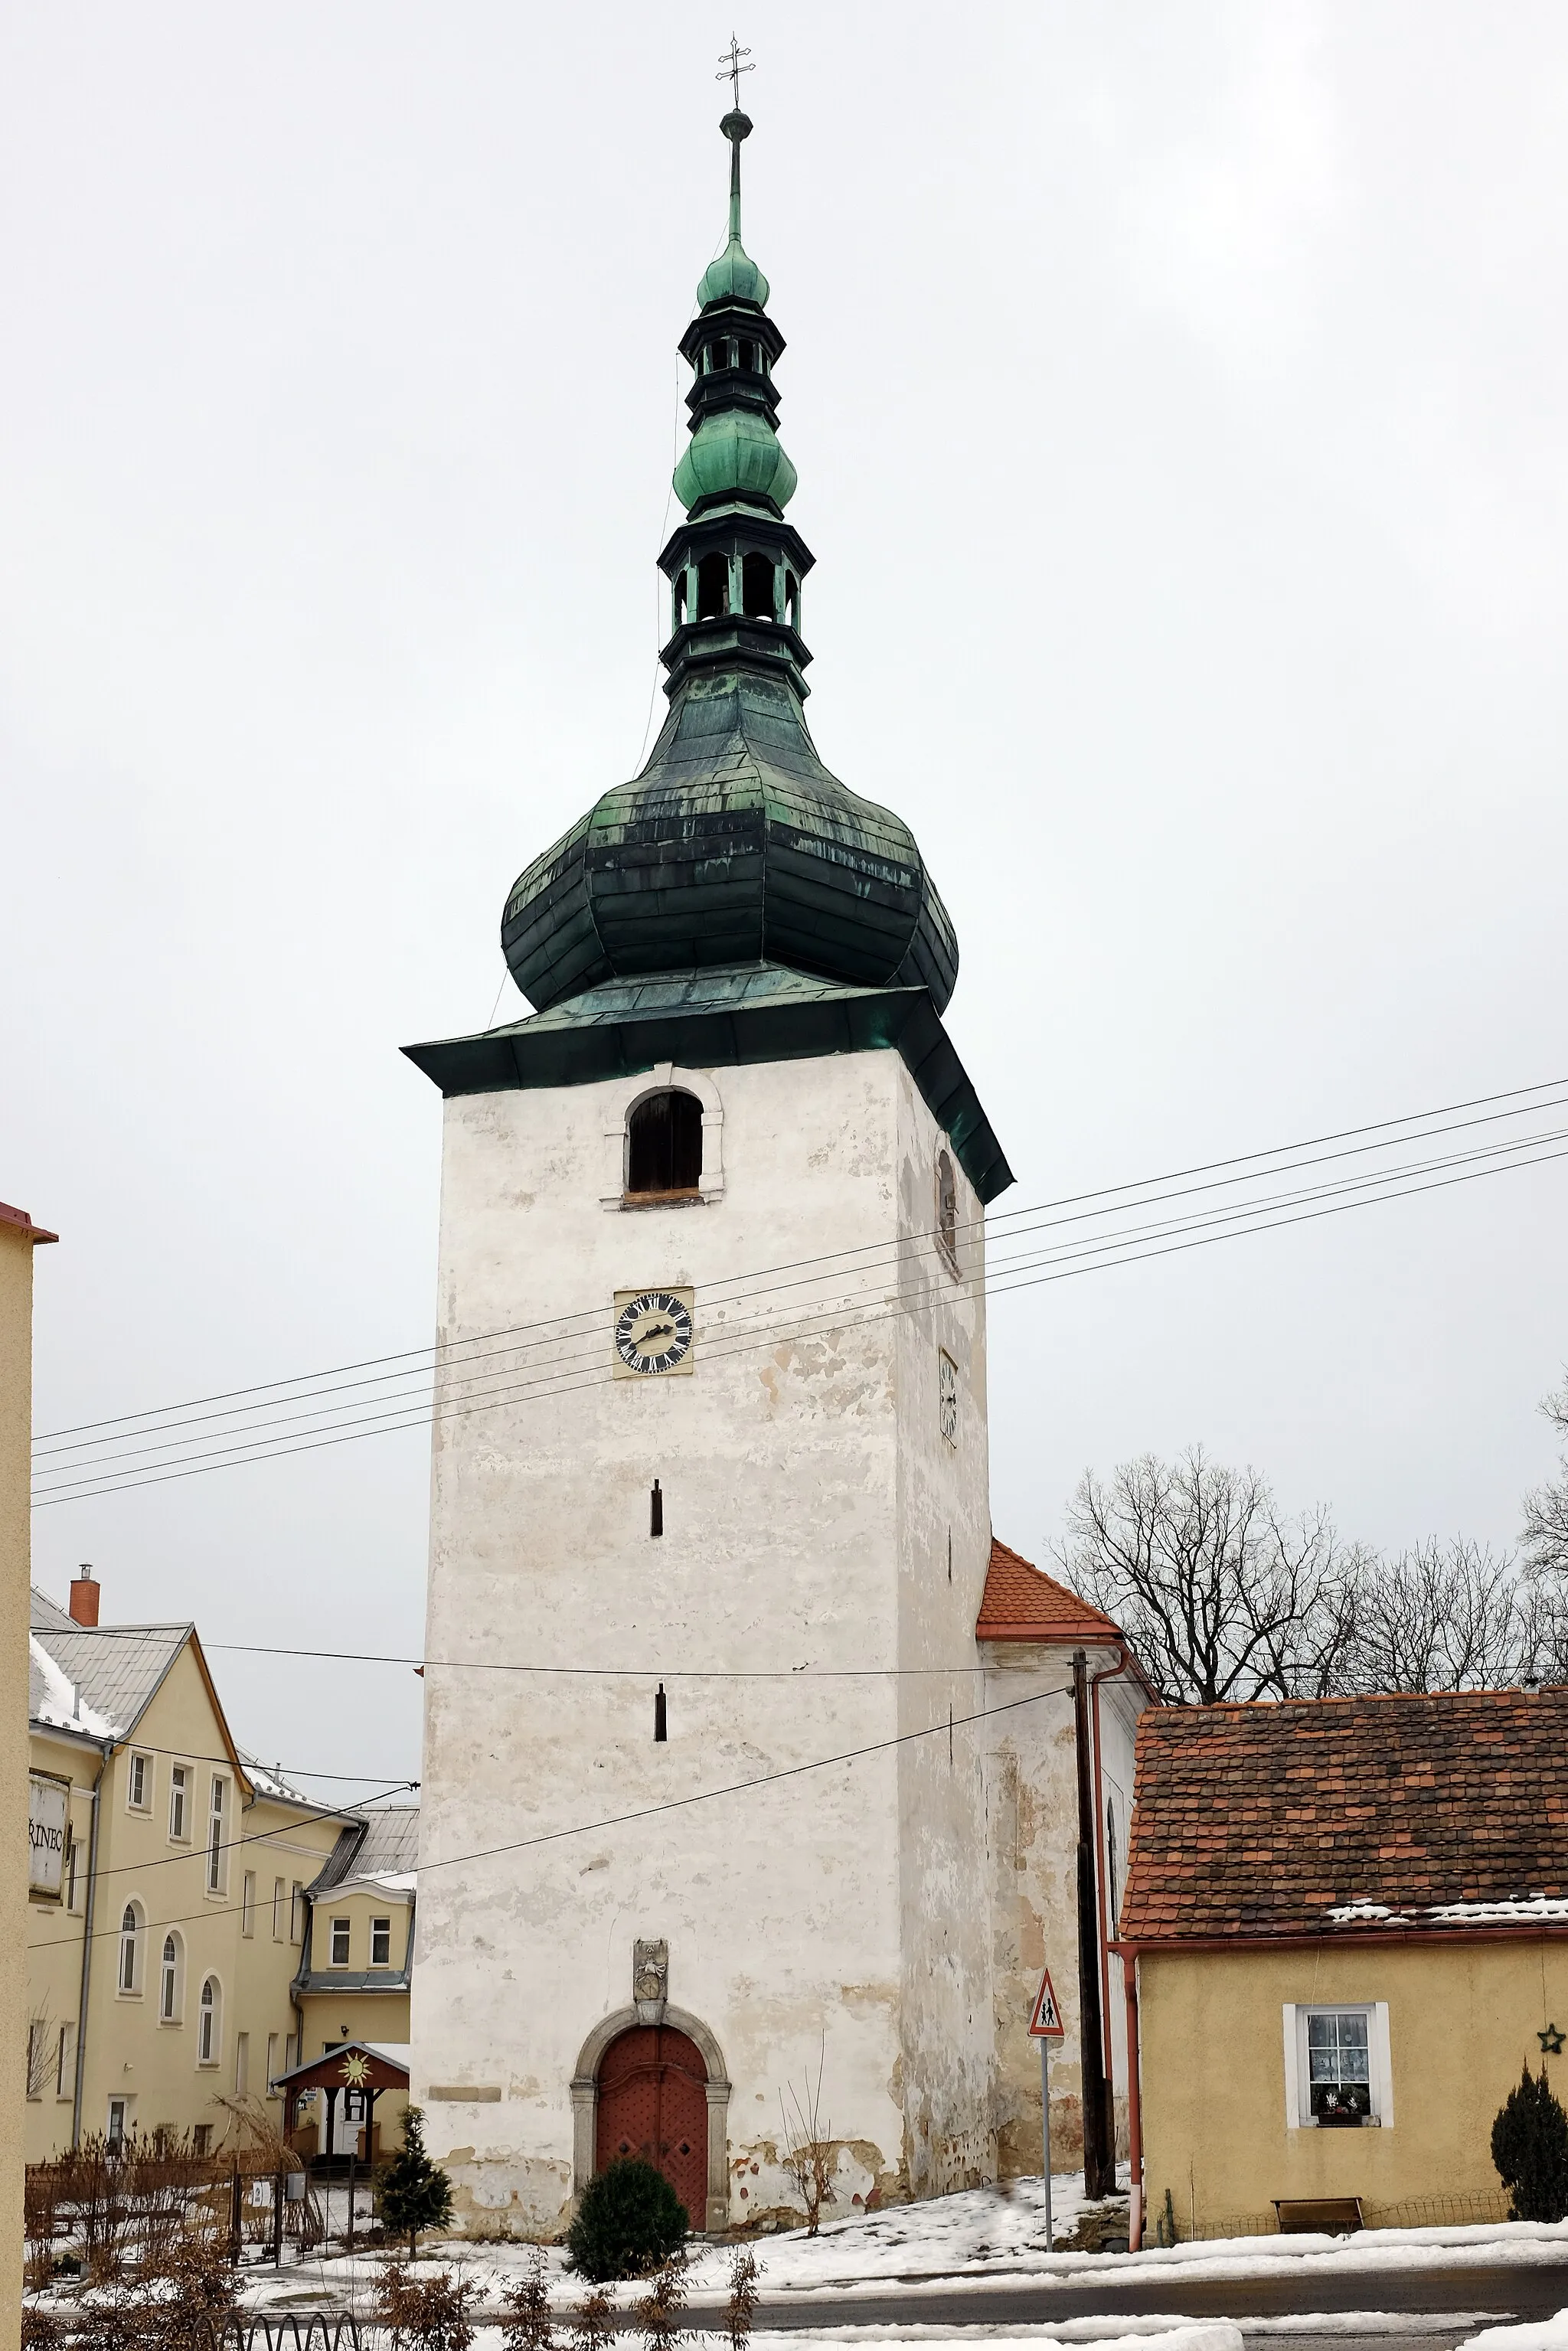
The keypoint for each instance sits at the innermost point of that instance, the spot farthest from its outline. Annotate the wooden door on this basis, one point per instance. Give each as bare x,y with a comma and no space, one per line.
652,2102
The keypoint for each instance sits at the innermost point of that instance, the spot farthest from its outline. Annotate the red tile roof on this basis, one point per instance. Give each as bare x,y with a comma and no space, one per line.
1408,1814
1020,1604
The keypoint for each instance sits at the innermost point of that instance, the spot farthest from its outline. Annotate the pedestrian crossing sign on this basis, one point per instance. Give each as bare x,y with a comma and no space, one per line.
1045,2022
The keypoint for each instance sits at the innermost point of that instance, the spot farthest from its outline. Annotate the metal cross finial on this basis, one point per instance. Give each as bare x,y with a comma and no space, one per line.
730,69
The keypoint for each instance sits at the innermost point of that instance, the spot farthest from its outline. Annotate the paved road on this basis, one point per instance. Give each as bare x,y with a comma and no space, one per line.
1518,2291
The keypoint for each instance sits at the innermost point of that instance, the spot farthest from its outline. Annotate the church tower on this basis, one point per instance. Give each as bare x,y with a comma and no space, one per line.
705,1845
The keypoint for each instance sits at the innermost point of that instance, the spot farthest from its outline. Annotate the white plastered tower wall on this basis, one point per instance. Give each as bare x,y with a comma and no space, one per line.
836,1920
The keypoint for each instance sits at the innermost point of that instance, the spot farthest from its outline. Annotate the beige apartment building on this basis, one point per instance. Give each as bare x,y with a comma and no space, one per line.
170,1894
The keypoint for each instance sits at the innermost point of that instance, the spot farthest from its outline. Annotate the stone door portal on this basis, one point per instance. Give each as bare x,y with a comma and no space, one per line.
652,2102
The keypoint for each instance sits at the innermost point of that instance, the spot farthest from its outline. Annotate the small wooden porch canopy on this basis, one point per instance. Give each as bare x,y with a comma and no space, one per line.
356,2069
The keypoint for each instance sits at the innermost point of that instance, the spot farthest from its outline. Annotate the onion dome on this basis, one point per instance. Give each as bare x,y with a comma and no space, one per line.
734,846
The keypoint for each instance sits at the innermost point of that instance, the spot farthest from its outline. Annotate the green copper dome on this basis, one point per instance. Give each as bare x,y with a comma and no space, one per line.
733,278
735,848
735,453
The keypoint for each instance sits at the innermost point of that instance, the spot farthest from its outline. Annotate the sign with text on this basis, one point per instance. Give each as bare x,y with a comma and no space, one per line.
1045,2021
48,1802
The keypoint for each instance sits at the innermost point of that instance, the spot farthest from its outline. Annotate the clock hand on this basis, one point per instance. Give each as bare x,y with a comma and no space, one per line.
657,1331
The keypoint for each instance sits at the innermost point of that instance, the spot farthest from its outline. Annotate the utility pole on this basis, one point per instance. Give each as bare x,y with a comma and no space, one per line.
1099,2152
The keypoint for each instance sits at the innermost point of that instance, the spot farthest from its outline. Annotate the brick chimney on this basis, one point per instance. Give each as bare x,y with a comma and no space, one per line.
84,1597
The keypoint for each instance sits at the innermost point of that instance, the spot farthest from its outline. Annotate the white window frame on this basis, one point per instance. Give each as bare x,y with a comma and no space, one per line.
217,1869
1299,2114
139,1769
279,1910
133,1937
336,1927
180,1805
381,1931
65,2063
210,2023
118,2138
247,1903
170,1997
296,1913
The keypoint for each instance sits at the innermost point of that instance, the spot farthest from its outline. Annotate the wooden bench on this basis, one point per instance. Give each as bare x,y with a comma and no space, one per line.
1331,2216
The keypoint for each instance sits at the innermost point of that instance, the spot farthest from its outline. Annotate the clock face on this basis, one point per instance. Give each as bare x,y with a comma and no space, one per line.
653,1332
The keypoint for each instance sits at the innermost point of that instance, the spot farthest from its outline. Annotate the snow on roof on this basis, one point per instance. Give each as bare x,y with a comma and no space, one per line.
55,1699
116,1668
268,1780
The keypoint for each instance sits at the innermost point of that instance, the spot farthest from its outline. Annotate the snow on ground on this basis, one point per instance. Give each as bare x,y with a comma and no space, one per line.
976,2239
1546,2334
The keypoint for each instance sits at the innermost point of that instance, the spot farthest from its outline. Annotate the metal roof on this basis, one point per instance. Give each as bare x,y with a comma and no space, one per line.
723,1019
115,1670
383,1843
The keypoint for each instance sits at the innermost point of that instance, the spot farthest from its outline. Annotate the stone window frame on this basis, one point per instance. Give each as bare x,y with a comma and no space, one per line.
585,2100
622,1098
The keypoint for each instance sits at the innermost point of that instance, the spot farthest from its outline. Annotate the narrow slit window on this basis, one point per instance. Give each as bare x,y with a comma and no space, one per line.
661,1717
665,1145
947,1208
656,1509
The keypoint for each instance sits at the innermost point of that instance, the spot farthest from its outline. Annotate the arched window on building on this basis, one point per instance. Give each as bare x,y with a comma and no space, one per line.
713,586
665,1145
209,2029
130,1948
169,1983
757,588
948,1208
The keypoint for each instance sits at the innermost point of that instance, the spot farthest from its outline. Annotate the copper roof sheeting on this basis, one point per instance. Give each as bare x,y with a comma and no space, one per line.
1439,1812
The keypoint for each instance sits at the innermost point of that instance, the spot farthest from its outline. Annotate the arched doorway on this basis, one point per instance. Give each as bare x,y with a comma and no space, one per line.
654,2102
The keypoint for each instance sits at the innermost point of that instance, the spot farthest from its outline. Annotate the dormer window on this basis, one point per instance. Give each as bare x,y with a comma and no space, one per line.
665,1146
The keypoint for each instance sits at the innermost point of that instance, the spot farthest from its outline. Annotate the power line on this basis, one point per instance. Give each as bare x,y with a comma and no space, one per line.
51,1465
1278,1151
236,1442
393,1418
644,1812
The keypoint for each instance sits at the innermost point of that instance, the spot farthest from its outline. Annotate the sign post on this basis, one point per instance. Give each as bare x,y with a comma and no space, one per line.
1045,2026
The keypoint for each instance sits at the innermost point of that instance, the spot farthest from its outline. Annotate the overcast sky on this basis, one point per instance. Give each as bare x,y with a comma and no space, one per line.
1178,399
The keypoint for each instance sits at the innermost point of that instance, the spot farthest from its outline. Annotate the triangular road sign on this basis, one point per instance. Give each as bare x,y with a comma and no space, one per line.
1045,2021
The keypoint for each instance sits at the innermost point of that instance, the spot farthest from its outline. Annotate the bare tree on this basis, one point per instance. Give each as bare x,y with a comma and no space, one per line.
742,2305
1443,1616
1546,1510
1220,1596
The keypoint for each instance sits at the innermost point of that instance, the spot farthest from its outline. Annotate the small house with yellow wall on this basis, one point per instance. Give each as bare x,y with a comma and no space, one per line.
355,1968
1344,1934
168,1908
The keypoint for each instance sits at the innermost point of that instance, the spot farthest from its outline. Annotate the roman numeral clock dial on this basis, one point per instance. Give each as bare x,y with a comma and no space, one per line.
652,1333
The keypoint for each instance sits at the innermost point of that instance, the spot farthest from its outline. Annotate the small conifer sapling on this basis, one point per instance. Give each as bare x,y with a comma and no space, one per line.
412,2194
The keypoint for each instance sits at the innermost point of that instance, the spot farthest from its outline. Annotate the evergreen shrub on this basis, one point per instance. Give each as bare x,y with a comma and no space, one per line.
412,2194
1530,2149
629,2220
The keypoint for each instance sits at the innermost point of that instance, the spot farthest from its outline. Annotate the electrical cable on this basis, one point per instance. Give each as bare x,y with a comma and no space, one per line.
999,1218
65,1473
47,1456
85,1483
650,1811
